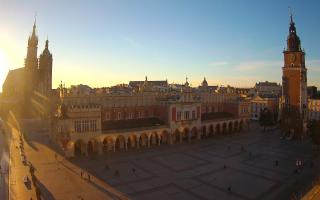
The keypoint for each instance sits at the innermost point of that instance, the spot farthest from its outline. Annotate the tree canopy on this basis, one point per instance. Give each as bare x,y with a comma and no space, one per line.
266,118
314,128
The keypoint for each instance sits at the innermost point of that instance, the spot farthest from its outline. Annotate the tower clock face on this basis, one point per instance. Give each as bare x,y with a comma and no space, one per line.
293,58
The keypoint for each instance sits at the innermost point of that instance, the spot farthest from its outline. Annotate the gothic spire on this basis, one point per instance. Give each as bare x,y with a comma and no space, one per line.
47,44
33,39
293,41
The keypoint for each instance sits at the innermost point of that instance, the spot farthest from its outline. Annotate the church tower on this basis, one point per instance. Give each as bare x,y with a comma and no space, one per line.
45,67
294,86
31,61
31,64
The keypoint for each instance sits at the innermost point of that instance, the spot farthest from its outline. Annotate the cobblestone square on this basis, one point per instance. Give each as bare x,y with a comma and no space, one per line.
201,169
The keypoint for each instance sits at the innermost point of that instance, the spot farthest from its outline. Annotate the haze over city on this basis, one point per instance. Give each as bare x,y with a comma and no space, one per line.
179,99
110,42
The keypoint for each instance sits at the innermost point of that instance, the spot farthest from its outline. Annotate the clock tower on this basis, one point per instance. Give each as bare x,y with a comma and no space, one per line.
294,86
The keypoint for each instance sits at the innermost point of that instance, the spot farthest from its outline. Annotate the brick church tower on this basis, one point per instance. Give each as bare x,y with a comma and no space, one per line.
294,86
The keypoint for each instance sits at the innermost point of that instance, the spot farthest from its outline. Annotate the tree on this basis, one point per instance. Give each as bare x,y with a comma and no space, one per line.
266,118
314,128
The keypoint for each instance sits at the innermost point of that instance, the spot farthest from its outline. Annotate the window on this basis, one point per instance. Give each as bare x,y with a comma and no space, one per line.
178,116
107,115
186,115
193,114
85,125
77,126
139,115
130,115
119,116
93,125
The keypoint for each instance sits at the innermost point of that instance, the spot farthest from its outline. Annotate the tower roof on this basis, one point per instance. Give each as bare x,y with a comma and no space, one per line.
46,49
293,41
204,82
33,39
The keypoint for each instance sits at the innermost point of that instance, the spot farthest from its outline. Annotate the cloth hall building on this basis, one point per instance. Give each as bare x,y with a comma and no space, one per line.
89,123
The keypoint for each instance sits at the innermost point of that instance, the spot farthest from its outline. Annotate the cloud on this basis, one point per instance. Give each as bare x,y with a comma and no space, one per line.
255,65
217,63
133,42
313,65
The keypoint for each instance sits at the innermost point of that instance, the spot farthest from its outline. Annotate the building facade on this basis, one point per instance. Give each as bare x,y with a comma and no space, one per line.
294,86
95,123
268,88
313,109
259,103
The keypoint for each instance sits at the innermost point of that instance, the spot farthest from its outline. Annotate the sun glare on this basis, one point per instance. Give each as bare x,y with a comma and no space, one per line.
4,67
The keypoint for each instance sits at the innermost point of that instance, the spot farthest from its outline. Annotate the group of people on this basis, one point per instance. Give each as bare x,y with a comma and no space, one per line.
117,173
83,175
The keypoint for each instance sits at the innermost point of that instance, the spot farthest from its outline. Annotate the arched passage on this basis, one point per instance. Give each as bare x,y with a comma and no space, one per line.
218,131
92,147
177,136
211,130
79,148
120,143
236,126
194,133
241,125
224,128
185,134
230,127
164,137
154,139
203,132
107,144
132,141
143,140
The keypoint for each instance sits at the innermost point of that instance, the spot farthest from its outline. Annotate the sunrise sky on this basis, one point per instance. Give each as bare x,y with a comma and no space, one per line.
102,43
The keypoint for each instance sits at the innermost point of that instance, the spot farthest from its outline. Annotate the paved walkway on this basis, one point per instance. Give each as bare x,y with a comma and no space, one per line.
18,170
4,166
238,166
59,178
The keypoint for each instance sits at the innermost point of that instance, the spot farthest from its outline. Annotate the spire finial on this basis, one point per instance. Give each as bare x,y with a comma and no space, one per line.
35,20
47,43
291,14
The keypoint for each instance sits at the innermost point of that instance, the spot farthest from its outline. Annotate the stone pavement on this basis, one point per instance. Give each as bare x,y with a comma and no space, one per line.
212,168
4,166
18,189
58,178
196,170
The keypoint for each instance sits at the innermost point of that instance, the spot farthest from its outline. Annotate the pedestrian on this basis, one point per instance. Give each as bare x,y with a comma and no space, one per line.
81,174
133,170
277,163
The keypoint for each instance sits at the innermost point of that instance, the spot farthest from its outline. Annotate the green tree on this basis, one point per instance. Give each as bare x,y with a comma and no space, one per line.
266,118
314,128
